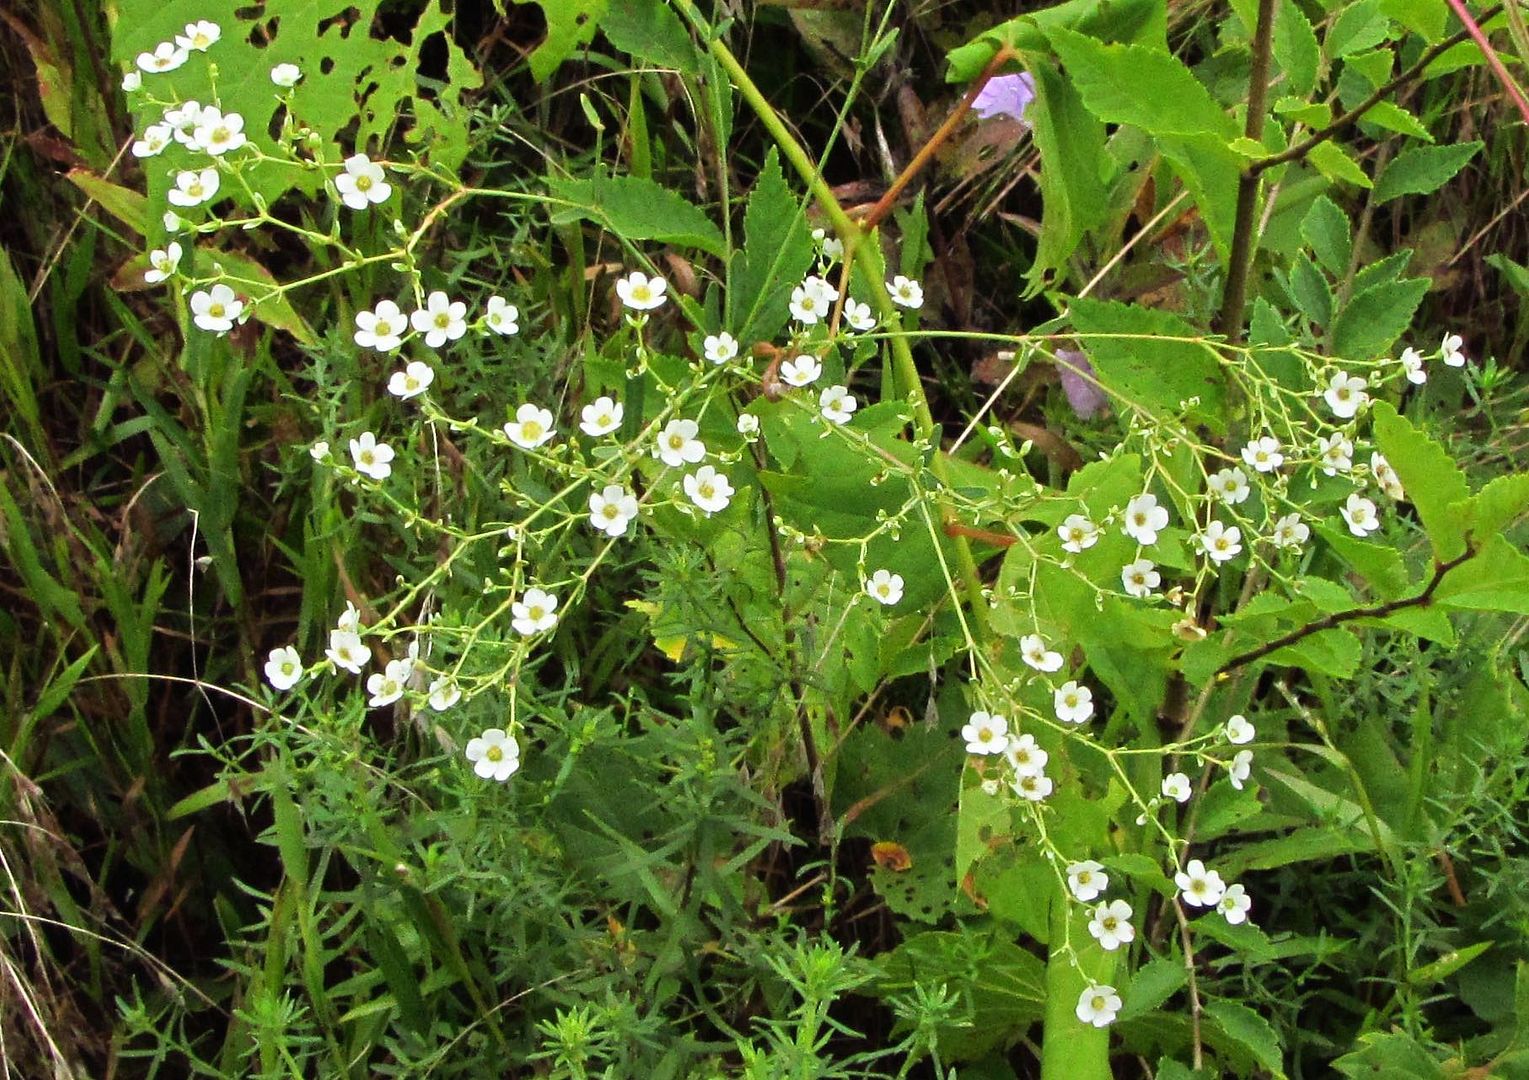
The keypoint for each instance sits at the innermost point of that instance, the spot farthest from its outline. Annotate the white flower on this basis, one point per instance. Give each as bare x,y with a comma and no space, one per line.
678,445
172,221
1025,757
1346,394
444,693
1240,768
381,328
720,348
837,404
155,138
1144,518
859,316
1229,485
612,509
494,754
601,417
1263,454
216,309
709,489
1033,651
412,381
217,133
1073,704
748,425
319,451
167,56
1291,532
350,619
163,263
1111,925
371,457
531,427
1412,364
363,183
1239,730
1087,880
535,612
1336,452
1235,904
199,36
885,587
640,292
183,119
1176,786
801,371
440,320
1452,350
1140,578
284,668
286,76
502,317
986,733
132,82
1033,786
1198,886
831,246
1359,512
194,187
347,651
1386,476
906,292
1077,533
812,300
387,686
1098,1005
1220,542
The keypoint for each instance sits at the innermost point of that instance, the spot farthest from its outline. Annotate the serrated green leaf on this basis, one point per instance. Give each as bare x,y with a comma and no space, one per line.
1372,320
1074,197
650,30
1296,49
1314,114
1309,289
1359,26
1334,162
1153,984
1245,1028
1144,364
1392,117
777,252
1426,17
1422,170
636,209
1432,479
1326,229
1143,22
1392,1055
571,24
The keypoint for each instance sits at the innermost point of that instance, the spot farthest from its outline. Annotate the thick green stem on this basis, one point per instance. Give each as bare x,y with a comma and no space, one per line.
865,256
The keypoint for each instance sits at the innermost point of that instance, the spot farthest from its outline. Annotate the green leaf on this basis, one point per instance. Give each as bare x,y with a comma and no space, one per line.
649,30
1334,162
1380,565
1310,291
1145,364
1426,17
571,25
636,209
1517,275
1314,114
1497,505
1392,117
1248,1031
1392,1055
1359,26
1074,196
777,252
1495,579
1334,652
1431,477
126,205
1141,21
1422,170
1296,49
1131,84
1326,229
1372,320
1153,984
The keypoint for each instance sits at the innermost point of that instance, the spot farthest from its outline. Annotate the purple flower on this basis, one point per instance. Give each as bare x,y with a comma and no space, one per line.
1079,383
1005,95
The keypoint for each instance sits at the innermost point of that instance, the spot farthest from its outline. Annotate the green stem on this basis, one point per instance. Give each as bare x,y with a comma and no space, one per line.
853,237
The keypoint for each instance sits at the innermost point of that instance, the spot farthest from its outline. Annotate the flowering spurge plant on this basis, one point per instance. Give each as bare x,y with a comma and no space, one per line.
1101,640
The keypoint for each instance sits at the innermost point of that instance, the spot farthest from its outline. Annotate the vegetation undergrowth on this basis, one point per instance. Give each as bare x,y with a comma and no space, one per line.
663,539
